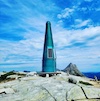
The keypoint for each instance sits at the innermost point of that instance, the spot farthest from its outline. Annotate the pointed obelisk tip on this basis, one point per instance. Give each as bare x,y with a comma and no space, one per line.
48,22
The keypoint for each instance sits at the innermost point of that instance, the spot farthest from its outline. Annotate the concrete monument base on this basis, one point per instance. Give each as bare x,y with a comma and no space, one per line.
48,74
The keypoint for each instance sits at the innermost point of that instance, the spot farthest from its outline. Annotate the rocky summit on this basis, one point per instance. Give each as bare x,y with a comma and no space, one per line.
60,87
73,70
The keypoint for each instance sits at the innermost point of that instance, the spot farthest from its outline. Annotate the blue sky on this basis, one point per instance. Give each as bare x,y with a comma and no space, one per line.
75,28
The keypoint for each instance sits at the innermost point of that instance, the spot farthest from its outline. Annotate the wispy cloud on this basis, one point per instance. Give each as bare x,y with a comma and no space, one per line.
65,13
79,23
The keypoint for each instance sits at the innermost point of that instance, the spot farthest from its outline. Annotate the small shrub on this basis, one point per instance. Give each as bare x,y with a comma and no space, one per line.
3,77
85,83
71,80
19,74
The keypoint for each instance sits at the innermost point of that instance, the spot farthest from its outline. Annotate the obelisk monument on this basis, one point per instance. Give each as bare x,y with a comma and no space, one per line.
49,57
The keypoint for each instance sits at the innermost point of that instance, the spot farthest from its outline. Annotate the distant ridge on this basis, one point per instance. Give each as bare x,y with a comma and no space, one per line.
73,70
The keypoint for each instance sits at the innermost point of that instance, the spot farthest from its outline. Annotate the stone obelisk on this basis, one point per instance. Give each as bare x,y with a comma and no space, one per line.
49,58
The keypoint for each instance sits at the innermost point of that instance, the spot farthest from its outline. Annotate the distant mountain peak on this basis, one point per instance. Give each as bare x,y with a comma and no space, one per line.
70,64
73,70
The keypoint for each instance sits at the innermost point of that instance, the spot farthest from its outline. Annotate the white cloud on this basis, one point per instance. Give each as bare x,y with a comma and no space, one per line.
65,37
65,13
79,23
81,55
32,47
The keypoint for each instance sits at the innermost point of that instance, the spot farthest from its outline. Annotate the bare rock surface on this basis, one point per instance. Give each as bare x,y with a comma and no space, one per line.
92,92
55,88
13,76
6,91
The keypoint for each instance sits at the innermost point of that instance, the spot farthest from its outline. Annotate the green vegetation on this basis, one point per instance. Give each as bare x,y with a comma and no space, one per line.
3,77
19,74
72,80
85,83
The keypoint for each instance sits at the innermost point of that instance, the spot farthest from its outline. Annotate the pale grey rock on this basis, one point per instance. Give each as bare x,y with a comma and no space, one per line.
13,77
92,92
55,88
96,79
88,100
2,73
75,93
7,91
31,74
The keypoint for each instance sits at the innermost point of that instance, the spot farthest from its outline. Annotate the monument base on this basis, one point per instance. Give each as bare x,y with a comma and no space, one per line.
48,74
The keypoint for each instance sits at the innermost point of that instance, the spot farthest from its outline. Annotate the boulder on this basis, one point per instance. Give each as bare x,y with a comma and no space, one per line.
72,80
